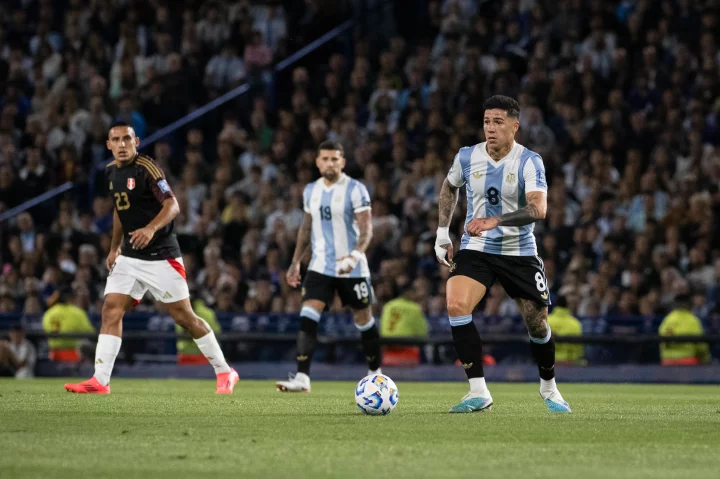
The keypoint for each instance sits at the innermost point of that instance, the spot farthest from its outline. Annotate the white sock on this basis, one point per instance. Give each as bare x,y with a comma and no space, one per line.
211,350
547,385
107,349
303,378
477,385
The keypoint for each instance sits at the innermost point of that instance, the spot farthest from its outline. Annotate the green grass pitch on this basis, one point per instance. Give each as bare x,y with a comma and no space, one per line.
179,428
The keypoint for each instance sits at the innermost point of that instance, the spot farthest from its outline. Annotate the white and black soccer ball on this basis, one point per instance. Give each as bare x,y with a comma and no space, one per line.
376,395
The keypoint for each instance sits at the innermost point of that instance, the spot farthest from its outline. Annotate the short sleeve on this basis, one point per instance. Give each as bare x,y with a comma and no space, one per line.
156,180
306,198
360,198
455,175
534,175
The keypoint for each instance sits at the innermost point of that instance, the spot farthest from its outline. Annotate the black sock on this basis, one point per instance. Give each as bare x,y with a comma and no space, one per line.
468,346
306,343
544,356
371,346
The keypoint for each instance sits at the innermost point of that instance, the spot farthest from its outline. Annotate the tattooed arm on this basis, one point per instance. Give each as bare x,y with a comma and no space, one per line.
446,205
348,263
448,199
304,240
536,209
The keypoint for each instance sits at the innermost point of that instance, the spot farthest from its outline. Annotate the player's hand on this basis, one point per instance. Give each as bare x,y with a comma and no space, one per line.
443,246
478,225
112,257
142,237
293,275
347,263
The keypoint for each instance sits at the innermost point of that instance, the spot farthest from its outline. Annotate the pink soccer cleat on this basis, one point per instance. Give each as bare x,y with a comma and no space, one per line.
91,386
226,382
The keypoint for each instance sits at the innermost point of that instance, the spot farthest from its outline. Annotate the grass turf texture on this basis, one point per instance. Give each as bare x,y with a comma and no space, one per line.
179,428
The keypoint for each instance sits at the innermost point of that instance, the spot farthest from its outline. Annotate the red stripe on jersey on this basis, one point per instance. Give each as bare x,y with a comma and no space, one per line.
178,267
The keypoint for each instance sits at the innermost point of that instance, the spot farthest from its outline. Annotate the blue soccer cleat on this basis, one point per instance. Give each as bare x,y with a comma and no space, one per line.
555,402
472,402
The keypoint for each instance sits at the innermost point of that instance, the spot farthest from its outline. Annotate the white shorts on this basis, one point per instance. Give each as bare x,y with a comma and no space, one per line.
133,277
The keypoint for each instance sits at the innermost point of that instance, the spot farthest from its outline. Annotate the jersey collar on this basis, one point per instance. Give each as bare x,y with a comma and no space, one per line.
502,161
340,181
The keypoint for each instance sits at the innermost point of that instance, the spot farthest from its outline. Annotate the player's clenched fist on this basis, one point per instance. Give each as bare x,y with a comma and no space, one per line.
443,246
293,275
478,225
142,237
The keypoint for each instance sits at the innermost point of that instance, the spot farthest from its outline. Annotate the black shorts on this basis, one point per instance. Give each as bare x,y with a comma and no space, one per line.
357,293
520,276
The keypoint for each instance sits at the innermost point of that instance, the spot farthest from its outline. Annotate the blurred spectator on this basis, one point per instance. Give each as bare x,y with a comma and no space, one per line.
64,316
24,352
681,322
562,322
403,317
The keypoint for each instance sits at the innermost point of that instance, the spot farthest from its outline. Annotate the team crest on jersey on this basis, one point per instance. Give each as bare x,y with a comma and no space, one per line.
510,179
131,184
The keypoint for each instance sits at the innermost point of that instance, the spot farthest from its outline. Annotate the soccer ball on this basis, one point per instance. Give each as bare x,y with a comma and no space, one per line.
376,395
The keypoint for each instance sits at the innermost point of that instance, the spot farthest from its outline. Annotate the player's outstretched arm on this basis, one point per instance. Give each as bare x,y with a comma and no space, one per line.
536,209
142,237
446,206
304,239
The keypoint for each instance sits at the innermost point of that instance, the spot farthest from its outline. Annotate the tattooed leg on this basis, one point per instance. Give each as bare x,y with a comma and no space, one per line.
543,345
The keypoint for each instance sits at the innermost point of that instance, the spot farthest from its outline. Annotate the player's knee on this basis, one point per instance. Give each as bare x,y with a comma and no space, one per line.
458,307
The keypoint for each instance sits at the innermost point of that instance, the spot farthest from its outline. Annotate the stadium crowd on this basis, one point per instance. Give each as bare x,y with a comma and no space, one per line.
619,97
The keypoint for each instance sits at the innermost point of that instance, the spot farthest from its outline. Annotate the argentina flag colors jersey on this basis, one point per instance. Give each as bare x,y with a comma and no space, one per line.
495,188
334,228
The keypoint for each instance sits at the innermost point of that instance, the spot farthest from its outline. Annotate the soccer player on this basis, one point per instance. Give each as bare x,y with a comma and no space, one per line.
338,229
506,193
144,255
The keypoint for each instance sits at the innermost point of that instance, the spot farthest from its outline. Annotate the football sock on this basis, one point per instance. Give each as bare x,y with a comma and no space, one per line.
307,338
210,348
543,352
547,386
108,347
371,343
468,345
477,385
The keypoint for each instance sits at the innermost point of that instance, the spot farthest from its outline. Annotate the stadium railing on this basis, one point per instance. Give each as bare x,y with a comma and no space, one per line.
152,336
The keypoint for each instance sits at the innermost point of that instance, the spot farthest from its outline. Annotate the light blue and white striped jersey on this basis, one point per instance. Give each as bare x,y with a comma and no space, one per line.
495,188
334,228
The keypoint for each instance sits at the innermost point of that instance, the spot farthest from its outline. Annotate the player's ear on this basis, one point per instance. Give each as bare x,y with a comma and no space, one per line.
137,142
107,143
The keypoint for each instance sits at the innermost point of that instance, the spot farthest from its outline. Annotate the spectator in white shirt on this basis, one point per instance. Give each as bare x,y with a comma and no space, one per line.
225,69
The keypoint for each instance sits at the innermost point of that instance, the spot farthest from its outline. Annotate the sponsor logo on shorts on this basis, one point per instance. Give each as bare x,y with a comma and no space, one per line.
467,365
167,295
453,265
544,296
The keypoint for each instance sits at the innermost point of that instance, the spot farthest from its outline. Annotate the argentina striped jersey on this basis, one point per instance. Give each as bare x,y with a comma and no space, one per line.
334,228
495,188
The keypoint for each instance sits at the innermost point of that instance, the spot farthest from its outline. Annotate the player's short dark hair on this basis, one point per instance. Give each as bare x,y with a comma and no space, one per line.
332,145
502,102
119,123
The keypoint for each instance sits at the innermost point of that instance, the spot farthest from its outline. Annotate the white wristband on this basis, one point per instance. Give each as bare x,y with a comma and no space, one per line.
356,254
444,233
